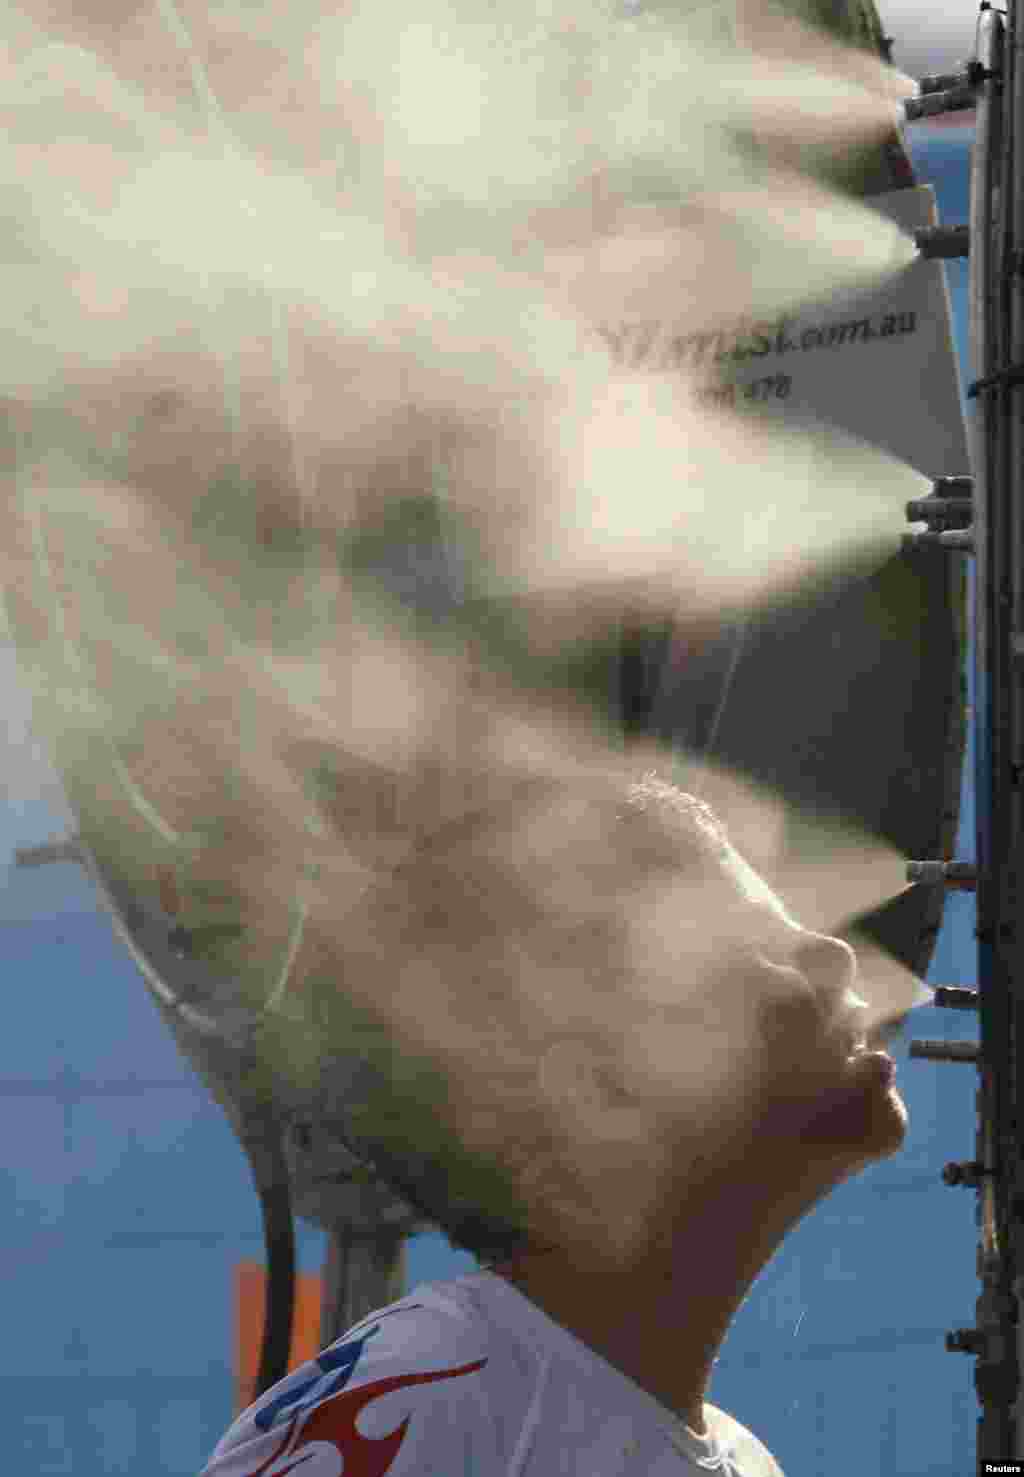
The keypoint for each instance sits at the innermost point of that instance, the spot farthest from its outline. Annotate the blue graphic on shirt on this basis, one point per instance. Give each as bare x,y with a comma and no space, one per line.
336,1366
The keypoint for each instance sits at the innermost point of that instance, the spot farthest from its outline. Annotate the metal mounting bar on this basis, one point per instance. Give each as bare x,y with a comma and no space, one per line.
945,1051
943,241
940,102
962,875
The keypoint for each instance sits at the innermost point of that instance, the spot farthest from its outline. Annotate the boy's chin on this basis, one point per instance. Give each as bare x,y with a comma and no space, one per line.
870,1119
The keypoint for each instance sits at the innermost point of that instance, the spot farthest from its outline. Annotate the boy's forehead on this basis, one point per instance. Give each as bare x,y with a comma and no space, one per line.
707,856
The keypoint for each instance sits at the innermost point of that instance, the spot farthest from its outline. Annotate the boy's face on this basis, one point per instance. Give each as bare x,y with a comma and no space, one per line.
810,1095
722,1049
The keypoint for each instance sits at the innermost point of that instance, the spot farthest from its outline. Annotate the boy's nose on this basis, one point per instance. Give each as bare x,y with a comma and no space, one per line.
829,963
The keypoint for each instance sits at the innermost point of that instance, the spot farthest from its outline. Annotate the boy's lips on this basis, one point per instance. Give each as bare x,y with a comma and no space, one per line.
852,1028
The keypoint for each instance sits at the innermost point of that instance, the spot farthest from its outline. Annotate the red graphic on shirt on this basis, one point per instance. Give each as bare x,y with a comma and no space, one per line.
330,1445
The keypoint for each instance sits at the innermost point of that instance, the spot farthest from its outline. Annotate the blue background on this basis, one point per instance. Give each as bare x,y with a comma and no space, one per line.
125,1202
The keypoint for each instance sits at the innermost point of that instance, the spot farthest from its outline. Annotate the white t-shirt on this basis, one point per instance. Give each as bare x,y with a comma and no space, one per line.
469,1378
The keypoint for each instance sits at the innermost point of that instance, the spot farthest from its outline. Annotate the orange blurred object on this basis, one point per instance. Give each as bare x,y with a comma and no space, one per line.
250,1301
